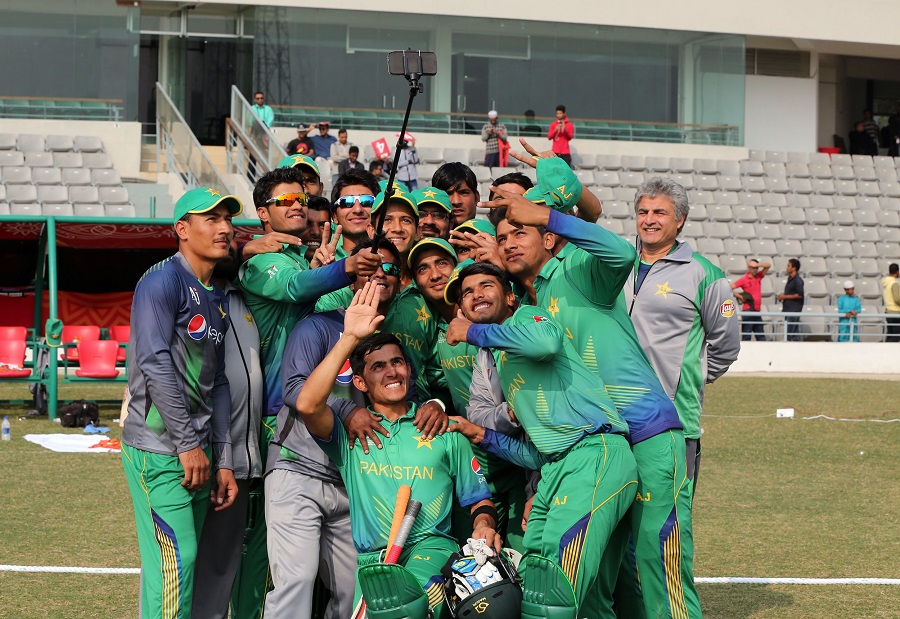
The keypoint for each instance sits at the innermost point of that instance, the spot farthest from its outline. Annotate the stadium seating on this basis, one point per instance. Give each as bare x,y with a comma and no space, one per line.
122,335
38,174
72,335
12,353
97,359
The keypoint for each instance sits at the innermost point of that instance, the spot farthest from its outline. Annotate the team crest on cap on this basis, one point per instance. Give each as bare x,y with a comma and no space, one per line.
727,308
197,327
345,376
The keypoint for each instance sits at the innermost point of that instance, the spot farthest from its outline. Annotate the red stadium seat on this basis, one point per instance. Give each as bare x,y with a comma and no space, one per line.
73,334
121,334
12,353
13,333
97,359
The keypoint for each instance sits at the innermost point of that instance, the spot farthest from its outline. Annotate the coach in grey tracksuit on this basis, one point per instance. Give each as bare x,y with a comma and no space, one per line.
681,305
219,549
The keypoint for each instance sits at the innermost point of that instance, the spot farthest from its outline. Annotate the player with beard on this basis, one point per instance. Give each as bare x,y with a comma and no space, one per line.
434,212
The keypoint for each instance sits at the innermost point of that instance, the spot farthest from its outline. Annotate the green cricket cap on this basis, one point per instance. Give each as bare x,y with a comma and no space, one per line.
557,184
477,225
433,195
202,199
451,292
430,243
402,194
397,185
292,161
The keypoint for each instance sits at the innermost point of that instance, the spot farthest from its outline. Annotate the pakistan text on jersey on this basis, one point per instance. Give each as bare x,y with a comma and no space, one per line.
396,471
408,340
459,361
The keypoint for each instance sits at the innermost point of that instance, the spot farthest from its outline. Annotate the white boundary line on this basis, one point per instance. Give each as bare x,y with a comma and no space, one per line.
718,580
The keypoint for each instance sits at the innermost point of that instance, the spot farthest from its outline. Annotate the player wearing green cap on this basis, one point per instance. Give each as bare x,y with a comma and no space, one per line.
436,469
401,222
180,407
433,263
576,438
582,288
434,212
472,237
312,178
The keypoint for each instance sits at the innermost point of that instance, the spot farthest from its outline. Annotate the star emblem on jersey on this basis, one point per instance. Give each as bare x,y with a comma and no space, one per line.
213,192
502,357
249,319
422,315
663,289
423,442
221,311
429,194
553,308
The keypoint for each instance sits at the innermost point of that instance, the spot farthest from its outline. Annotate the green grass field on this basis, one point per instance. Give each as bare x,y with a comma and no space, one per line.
776,498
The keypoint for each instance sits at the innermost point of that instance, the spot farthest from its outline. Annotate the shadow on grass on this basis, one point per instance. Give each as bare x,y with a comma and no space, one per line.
725,601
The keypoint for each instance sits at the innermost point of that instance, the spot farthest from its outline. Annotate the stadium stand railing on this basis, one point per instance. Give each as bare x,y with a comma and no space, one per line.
57,108
251,149
468,123
180,152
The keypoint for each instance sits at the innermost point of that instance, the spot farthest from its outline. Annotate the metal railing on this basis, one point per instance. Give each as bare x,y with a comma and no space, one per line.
251,149
61,108
469,123
821,326
178,150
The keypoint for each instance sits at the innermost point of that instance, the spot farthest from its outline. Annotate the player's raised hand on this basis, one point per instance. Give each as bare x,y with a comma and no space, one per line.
532,156
361,317
362,426
473,432
519,209
324,255
484,247
363,264
458,329
272,242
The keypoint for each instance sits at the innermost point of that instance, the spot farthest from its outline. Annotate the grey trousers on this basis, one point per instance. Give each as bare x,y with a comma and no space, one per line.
218,556
308,533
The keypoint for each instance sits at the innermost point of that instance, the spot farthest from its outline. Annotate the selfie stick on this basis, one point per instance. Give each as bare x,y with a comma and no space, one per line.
412,75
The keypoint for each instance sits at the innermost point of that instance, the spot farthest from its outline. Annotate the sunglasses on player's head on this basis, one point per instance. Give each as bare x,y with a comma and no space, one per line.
349,201
288,199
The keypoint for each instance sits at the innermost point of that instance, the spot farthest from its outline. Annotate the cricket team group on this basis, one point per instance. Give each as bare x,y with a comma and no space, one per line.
534,379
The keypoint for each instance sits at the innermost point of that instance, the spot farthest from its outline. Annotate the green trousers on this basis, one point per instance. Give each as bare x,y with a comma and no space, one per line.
580,502
662,537
169,520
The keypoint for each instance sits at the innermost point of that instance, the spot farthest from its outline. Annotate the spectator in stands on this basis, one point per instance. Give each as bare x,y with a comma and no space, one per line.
861,143
848,307
406,164
870,125
301,145
792,299
561,131
751,296
691,337
351,161
263,111
340,150
492,133
459,181
376,168
322,142
890,286
318,215
530,128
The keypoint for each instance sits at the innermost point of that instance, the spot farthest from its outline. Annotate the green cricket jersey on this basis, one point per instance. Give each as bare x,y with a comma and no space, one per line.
416,326
552,393
581,288
433,468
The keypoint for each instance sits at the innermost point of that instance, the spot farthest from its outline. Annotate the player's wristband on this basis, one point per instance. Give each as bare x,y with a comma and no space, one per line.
490,510
438,402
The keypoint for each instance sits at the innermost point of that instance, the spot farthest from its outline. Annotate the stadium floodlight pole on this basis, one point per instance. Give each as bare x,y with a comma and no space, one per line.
413,65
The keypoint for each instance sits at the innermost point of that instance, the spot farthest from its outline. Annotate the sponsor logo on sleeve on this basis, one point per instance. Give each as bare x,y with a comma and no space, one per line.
476,466
727,308
540,318
345,376
197,327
